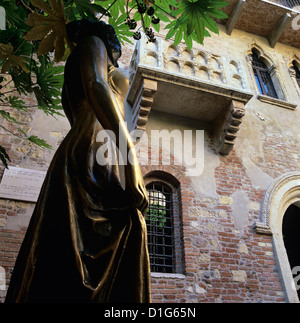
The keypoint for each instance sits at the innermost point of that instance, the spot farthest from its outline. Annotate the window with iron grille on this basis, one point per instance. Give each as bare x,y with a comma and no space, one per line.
159,219
263,77
297,73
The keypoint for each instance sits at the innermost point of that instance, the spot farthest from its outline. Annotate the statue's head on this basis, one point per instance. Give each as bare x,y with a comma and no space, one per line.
77,30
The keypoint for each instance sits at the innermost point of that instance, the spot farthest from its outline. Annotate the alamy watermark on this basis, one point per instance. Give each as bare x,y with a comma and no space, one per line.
296,275
296,19
159,147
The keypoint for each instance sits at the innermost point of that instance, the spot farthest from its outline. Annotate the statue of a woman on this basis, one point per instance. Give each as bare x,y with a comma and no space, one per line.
87,240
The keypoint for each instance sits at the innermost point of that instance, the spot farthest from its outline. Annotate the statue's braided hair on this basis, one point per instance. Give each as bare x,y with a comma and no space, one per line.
77,30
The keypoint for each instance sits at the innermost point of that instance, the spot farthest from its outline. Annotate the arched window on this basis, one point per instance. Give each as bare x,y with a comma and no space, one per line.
263,77
279,218
159,219
164,223
297,73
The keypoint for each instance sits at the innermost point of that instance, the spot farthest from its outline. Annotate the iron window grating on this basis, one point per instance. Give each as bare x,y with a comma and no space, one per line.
159,219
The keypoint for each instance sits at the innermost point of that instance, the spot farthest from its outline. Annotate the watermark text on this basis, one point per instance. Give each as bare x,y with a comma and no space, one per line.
296,19
159,147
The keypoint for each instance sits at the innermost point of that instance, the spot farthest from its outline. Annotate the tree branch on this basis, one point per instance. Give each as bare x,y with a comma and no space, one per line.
25,6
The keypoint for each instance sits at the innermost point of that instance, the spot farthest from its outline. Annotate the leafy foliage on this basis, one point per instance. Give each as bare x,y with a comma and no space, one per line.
4,156
195,19
48,26
156,215
35,33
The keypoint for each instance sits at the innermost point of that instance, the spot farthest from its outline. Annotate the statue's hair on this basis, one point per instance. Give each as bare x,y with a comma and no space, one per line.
78,30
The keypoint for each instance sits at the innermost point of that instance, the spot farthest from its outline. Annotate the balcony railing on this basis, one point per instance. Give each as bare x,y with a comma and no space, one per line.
197,65
287,3
194,84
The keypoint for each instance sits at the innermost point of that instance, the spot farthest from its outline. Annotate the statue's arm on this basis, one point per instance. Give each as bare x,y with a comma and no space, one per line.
93,67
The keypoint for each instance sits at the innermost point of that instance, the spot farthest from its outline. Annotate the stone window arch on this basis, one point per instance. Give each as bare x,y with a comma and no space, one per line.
262,76
164,223
294,69
281,194
268,85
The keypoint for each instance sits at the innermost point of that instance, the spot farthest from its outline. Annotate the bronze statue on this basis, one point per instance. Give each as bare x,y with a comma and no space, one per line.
87,239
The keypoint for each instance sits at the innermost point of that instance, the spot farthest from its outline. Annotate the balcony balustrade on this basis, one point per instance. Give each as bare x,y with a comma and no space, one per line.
196,84
287,3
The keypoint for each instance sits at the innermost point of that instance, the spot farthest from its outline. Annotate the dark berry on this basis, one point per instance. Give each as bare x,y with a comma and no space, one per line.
150,11
131,23
155,20
142,8
137,35
152,40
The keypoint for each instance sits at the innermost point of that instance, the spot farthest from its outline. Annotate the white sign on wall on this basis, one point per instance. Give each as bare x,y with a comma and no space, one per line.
21,184
2,279
2,19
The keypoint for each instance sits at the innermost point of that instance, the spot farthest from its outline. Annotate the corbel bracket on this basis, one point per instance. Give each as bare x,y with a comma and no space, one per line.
227,127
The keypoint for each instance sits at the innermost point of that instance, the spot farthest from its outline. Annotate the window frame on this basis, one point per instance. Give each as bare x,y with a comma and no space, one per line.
161,242
171,181
263,77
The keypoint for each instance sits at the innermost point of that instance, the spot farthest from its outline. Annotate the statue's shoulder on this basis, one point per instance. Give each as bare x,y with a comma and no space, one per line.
90,42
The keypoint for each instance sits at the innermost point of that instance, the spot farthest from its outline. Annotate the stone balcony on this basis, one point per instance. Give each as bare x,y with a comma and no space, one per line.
196,84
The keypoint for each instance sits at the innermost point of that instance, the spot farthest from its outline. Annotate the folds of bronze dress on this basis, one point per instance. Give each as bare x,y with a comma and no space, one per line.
87,239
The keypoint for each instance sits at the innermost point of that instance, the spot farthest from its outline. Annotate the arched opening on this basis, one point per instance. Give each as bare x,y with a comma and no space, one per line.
159,219
291,236
296,67
265,75
164,223
278,217
262,76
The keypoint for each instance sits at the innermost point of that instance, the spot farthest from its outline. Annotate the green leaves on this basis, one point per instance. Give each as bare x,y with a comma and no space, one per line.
117,18
4,156
195,20
156,215
40,142
48,85
121,28
87,9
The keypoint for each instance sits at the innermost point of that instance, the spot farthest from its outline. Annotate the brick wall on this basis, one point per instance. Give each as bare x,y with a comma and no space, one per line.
222,263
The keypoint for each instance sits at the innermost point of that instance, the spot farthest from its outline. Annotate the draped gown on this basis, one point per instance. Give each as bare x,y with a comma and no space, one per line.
85,241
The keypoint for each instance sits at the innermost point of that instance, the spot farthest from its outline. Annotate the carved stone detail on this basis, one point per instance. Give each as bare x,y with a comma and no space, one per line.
163,68
227,127
288,182
142,103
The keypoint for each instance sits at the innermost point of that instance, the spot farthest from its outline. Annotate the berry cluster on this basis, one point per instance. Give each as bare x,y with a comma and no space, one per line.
143,9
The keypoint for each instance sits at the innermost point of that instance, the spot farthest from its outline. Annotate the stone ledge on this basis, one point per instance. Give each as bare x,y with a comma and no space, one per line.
165,275
262,228
280,103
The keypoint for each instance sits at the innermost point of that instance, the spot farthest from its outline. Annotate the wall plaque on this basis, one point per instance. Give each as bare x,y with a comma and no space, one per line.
21,184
